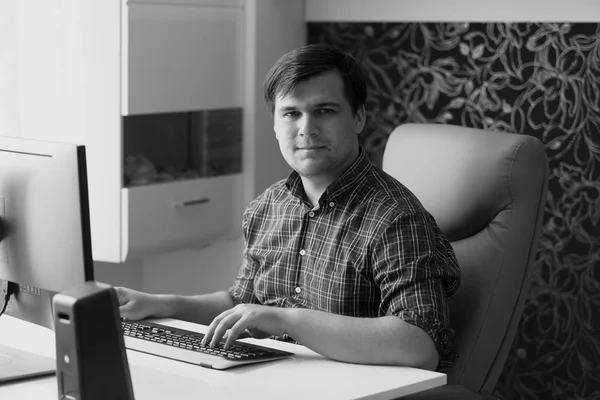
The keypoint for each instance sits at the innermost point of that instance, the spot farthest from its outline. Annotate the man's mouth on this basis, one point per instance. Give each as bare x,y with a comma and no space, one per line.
311,148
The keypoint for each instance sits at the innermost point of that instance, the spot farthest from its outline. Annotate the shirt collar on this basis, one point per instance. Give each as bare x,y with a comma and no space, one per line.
341,186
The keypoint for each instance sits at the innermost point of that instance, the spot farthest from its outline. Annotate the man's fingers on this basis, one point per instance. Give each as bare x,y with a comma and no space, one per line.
212,327
232,323
235,331
125,307
126,311
129,311
222,327
122,297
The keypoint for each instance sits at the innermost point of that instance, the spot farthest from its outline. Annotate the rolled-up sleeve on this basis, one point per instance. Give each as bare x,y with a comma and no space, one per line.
416,271
242,291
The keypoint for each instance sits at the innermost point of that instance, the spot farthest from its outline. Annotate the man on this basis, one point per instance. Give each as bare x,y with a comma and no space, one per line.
339,257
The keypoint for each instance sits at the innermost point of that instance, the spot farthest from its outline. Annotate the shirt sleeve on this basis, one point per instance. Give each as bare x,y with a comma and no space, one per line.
417,272
242,291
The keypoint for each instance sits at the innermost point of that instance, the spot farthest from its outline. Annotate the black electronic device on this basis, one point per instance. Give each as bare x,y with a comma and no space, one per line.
91,362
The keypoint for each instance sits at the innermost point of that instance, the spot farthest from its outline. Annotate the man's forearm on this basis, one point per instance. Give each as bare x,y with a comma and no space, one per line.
201,309
383,340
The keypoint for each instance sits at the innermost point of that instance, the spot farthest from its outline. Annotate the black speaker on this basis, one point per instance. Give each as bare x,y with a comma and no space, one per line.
91,362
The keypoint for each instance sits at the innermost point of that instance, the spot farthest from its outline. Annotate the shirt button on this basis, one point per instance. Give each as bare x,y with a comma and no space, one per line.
311,214
331,204
298,290
302,252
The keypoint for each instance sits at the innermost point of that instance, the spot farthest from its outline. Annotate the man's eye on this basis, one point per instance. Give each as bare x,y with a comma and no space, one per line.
325,111
291,114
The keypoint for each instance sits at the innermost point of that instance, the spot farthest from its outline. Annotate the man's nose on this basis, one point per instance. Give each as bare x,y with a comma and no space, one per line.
308,126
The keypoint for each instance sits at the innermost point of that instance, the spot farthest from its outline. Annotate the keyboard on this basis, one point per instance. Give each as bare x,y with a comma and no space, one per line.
183,345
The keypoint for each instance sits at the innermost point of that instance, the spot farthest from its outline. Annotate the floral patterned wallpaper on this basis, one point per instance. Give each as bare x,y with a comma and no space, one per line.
540,79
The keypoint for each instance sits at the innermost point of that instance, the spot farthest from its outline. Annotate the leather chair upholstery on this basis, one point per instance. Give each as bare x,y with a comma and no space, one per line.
487,191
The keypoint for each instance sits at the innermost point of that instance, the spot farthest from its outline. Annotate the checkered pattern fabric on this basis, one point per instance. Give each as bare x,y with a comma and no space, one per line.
368,249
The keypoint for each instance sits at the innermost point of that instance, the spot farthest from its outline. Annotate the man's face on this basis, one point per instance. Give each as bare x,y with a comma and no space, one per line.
315,127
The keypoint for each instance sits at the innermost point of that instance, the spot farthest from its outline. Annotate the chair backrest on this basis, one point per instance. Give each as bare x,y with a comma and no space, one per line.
487,192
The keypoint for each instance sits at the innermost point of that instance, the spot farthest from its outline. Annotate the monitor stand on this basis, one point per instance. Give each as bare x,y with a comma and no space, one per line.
17,364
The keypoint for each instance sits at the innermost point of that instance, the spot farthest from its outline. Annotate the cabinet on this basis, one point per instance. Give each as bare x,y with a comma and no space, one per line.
78,68
181,56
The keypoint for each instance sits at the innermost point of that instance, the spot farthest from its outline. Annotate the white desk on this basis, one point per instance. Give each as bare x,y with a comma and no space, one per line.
305,376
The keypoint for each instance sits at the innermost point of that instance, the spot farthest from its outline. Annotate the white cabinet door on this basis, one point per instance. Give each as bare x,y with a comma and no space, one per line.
41,70
181,57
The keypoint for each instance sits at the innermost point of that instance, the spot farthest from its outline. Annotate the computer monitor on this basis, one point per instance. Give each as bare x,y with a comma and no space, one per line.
44,226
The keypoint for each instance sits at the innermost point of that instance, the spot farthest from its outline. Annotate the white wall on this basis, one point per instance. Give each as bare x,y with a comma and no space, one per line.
194,271
9,71
454,10
191,271
129,274
41,68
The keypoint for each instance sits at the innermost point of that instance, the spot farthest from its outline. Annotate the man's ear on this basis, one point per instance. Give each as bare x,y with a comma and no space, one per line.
360,118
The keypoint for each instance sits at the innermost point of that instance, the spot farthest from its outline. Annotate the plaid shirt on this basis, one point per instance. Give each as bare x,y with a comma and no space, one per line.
368,249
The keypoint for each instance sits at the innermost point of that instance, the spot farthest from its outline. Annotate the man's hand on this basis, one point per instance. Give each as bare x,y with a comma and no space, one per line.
137,305
260,322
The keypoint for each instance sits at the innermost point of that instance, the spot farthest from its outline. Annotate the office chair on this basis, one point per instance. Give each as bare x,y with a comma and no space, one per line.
487,192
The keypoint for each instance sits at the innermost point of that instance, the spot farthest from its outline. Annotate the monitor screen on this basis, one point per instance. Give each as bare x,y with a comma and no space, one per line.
44,225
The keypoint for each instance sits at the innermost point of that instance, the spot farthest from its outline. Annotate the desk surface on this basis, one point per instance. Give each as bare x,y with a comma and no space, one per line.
305,376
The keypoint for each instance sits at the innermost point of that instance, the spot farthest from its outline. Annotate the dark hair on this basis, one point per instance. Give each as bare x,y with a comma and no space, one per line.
312,60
